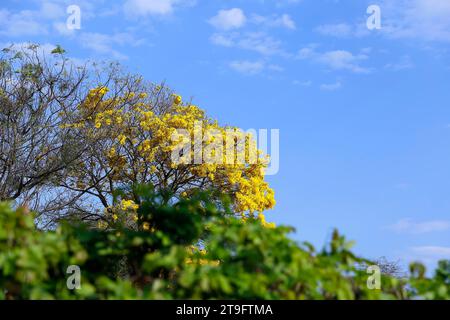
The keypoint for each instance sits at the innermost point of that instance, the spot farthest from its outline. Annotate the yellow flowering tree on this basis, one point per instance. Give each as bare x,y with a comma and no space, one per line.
145,134
73,135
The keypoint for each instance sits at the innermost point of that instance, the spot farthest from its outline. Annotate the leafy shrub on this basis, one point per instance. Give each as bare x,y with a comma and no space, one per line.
192,249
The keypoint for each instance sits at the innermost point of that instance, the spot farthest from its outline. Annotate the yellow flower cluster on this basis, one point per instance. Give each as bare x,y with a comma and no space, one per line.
128,205
122,139
108,118
177,99
139,137
94,97
266,224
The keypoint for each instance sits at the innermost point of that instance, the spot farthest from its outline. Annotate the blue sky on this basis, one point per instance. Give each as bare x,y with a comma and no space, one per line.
363,114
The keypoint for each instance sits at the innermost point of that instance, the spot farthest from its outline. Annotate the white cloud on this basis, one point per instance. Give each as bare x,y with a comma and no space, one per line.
153,7
427,20
253,67
331,86
284,21
229,19
61,28
148,7
247,67
51,10
343,30
343,60
275,67
433,251
253,41
412,227
40,20
104,44
404,64
306,53
222,40
418,19
260,42
22,23
336,59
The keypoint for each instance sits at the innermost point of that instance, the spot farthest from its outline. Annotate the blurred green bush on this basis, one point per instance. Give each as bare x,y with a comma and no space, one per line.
192,249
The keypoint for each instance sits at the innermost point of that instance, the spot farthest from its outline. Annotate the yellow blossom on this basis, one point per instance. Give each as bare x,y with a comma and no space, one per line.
128,205
122,139
269,225
147,130
112,152
177,99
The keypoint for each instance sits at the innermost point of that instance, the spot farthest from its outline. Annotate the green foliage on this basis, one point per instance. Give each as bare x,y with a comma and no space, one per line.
194,249
436,288
58,50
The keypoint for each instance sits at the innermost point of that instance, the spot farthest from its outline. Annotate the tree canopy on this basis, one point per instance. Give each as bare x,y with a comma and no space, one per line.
150,198
72,135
